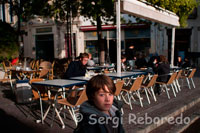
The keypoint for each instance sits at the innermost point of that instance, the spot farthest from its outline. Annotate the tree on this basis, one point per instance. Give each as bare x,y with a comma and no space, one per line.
64,11
183,8
98,11
8,41
28,9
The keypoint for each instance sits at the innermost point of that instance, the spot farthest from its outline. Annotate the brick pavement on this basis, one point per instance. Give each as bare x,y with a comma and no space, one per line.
18,117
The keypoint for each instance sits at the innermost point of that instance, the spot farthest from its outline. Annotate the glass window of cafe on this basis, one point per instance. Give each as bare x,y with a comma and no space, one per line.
91,42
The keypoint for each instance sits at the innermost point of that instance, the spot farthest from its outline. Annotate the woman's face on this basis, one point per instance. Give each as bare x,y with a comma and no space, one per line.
179,59
103,100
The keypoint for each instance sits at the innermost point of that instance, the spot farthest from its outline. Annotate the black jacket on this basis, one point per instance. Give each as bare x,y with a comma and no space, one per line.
91,115
163,71
75,69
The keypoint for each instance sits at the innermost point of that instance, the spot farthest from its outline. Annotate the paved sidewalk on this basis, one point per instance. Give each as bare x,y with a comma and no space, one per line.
18,117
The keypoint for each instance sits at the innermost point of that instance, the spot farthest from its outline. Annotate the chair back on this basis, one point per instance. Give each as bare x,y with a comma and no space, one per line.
192,73
119,86
172,77
45,65
37,90
152,81
82,98
137,83
179,74
43,73
32,64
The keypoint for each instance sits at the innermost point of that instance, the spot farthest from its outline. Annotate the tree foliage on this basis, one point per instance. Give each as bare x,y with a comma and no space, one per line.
60,9
28,9
93,9
8,41
183,8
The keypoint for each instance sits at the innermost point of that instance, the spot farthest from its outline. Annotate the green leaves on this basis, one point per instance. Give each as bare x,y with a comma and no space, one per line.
183,8
8,41
97,8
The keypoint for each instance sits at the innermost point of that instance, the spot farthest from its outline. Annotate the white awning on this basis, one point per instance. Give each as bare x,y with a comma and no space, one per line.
143,10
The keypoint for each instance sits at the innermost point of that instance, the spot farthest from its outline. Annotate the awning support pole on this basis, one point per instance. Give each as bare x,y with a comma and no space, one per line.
118,37
172,45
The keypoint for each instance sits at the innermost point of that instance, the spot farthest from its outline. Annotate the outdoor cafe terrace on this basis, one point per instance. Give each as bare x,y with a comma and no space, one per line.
174,102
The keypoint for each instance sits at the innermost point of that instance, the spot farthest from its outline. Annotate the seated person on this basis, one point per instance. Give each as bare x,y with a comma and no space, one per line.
15,61
140,62
90,61
123,62
186,63
163,69
100,92
77,68
179,62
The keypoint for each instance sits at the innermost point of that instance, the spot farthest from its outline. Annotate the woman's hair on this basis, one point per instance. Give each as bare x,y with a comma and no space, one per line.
163,59
99,82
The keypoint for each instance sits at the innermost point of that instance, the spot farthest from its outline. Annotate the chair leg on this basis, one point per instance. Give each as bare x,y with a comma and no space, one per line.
193,83
173,90
179,87
176,88
153,94
42,114
129,101
145,89
167,91
188,83
74,116
138,94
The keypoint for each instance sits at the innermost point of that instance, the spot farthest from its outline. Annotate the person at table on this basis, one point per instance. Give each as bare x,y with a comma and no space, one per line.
163,70
179,62
90,61
140,61
123,62
186,63
15,61
77,68
100,106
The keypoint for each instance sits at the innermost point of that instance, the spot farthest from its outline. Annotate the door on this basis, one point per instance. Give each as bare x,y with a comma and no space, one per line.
45,47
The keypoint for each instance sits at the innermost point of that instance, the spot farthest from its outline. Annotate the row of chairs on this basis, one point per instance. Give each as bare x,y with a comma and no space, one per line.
126,93
74,98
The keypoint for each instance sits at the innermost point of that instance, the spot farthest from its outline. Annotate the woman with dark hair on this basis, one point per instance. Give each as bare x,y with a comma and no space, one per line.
179,62
99,113
163,71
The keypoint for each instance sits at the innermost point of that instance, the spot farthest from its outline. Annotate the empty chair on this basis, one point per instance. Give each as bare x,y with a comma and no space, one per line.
119,86
46,70
40,93
117,94
127,92
169,82
149,85
72,102
176,82
189,74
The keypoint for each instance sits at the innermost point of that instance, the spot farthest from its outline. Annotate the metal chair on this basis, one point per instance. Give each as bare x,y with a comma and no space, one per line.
74,98
148,86
169,82
40,93
189,74
130,91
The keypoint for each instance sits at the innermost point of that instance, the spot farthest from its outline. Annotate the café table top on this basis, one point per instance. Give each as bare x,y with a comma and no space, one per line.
59,83
82,78
125,74
100,67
